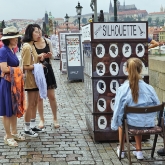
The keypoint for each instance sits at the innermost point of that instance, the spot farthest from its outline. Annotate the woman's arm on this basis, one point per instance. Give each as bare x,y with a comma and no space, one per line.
28,67
4,67
153,44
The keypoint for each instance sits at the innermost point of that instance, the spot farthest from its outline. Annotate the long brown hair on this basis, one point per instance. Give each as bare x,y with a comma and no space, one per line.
134,68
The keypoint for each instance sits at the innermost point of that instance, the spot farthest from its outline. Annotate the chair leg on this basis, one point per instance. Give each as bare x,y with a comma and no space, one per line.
154,145
128,144
121,144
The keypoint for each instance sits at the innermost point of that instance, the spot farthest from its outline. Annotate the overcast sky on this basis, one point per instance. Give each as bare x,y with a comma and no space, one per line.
33,9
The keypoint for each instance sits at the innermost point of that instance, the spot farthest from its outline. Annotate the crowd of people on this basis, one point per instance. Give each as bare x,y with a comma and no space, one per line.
36,77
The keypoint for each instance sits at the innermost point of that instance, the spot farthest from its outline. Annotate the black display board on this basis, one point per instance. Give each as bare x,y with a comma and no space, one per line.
106,47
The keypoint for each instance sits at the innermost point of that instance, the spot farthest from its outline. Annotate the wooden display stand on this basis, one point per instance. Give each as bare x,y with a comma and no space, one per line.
107,47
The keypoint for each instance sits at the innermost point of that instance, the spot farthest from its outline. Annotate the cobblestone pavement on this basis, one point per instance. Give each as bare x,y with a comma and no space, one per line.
71,143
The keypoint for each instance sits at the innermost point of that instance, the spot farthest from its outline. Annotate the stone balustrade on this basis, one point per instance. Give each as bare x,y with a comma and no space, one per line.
157,75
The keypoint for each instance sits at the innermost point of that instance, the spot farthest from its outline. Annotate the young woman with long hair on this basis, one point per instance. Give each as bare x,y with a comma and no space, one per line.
30,57
134,92
44,46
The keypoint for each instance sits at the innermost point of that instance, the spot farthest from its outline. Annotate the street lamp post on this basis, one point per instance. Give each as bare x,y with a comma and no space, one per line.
115,10
79,10
67,20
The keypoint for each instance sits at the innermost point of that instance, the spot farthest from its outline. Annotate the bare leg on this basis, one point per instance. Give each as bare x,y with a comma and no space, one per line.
13,124
138,140
40,108
120,138
41,112
31,109
6,123
53,103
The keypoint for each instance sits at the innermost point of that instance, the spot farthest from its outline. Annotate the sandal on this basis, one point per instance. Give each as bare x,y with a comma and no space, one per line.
18,137
56,124
10,142
41,124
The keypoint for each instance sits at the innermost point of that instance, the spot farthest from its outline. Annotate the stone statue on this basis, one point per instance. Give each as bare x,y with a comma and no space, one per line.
44,28
50,26
92,5
101,16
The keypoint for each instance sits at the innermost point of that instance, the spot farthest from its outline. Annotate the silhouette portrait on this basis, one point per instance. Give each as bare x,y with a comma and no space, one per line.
140,49
114,67
101,85
100,68
102,122
101,103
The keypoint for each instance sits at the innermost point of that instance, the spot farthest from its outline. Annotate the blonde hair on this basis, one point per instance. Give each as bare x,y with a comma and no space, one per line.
134,68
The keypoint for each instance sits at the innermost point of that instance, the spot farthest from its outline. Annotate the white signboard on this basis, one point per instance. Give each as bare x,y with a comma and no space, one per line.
119,30
86,33
73,50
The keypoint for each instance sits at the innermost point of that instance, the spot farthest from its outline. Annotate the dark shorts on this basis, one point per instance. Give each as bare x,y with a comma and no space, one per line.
34,89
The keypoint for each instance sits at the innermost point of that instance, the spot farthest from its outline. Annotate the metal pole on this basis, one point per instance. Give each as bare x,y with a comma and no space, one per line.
115,11
95,12
79,22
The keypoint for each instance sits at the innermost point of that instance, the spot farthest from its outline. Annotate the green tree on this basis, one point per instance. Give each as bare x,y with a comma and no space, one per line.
84,20
157,20
149,20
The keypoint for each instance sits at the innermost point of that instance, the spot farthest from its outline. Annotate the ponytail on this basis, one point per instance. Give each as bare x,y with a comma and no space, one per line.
134,68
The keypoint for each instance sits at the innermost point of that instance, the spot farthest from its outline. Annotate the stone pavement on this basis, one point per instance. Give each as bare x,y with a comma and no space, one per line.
71,143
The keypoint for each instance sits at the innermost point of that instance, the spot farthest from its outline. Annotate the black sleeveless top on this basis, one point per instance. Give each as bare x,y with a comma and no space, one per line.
48,70
44,50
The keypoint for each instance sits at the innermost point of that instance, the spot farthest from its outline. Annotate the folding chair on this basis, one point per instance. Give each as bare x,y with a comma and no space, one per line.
157,130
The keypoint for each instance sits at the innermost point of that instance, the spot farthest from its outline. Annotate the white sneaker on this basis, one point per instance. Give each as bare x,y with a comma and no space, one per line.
138,154
122,153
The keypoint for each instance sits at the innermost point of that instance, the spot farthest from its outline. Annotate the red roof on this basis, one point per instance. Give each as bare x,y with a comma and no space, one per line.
130,12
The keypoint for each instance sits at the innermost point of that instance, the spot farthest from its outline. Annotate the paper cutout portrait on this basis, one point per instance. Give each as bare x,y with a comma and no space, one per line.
114,68
126,50
102,122
101,105
100,69
140,50
114,85
113,50
100,50
101,86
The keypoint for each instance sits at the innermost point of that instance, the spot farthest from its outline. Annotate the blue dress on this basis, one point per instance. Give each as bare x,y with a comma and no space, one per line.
6,55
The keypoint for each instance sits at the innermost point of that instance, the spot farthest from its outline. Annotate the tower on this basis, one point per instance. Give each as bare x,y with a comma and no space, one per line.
161,8
124,4
110,7
118,4
46,18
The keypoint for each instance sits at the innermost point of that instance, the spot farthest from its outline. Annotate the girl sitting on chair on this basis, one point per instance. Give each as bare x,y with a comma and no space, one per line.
134,92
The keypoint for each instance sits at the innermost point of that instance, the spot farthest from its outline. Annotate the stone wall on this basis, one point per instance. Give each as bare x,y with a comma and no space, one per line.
157,75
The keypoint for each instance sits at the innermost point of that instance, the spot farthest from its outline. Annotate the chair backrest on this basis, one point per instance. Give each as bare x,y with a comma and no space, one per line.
147,109
142,110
